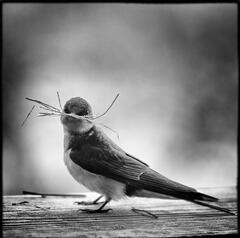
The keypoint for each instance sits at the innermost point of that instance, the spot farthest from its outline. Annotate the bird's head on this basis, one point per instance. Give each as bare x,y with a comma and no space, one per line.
79,107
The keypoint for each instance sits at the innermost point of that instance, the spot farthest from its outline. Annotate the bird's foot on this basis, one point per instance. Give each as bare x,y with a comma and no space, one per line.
95,202
95,211
100,209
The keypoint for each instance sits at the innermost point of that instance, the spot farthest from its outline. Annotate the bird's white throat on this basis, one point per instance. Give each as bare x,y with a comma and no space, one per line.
81,127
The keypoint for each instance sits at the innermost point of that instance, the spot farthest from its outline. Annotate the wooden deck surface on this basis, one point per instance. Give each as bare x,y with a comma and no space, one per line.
36,216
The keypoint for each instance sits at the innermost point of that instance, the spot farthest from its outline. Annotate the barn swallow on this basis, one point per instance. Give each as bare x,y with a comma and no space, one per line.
99,164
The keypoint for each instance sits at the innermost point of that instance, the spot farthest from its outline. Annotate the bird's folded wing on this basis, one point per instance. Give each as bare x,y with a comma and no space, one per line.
117,165
108,162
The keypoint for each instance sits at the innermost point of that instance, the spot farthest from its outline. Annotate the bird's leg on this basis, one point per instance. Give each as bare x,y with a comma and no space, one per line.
90,203
100,209
96,200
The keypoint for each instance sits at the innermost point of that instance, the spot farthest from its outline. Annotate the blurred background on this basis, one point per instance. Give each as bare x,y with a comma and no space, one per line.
175,67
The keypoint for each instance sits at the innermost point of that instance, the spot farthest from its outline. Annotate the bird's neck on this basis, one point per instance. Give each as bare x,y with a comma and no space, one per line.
82,128
73,137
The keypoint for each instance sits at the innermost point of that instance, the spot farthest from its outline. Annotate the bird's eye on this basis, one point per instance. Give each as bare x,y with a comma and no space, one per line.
66,110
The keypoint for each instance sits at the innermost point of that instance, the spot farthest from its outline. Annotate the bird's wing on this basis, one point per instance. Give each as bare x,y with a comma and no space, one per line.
137,159
117,165
108,141
108,162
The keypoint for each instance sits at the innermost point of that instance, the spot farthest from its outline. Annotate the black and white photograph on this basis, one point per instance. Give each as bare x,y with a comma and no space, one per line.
119,119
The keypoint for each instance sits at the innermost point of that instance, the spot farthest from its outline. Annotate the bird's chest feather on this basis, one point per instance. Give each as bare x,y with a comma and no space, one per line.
94,182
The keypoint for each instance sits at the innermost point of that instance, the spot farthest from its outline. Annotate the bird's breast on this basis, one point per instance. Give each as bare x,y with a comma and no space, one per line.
94,182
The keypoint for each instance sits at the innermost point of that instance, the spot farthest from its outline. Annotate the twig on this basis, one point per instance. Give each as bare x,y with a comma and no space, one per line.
109,128
108,107
53,195
59,101
42,114
27,116
56,111
48,109
215,207
43,104
53,111
144,213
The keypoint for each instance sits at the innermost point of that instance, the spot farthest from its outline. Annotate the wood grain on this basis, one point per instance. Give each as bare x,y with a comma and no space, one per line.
35,216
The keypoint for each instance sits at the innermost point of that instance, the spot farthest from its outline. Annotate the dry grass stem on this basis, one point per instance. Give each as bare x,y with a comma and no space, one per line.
53,111
45,105
59,101
109,128
108,107
53,194
27,116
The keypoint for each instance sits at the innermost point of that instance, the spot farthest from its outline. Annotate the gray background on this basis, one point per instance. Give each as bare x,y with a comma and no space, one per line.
175,67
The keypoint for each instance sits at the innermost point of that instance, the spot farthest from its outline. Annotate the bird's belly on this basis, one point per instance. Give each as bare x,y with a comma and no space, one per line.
94,182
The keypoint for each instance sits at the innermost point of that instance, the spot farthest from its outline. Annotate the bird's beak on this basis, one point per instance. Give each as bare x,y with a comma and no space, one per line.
72,124
66,119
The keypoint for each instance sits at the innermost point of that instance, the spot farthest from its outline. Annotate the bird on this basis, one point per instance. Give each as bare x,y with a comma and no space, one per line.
99,164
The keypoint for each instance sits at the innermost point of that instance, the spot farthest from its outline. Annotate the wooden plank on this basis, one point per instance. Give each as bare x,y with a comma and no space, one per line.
34,216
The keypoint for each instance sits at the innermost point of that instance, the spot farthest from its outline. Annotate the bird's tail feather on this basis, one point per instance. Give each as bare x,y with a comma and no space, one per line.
155,182
201,196
213,207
